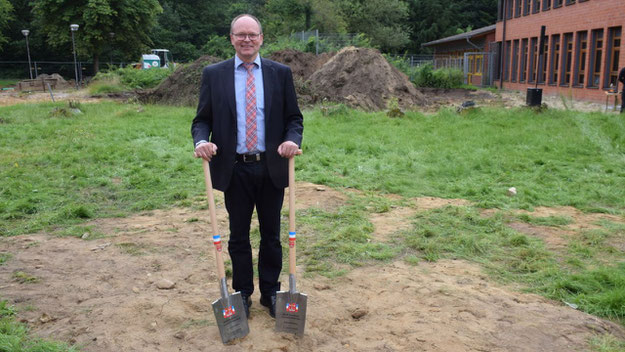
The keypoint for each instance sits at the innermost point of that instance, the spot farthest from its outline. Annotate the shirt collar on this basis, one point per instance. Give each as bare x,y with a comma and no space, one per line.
238,62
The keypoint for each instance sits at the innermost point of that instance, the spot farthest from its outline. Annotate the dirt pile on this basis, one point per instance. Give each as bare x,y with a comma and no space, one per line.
363,78
182,87
302,64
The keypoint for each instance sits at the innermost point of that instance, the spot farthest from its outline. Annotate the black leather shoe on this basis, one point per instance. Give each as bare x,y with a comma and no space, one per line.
269,302
247,303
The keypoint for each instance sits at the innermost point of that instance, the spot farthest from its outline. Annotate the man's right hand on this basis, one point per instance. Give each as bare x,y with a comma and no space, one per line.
205,151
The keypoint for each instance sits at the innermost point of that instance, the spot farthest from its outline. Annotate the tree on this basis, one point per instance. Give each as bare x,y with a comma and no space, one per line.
129,20
384,21
5,16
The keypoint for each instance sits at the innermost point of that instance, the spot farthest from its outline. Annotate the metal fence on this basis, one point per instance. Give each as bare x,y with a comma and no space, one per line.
20,69
326,42
479,68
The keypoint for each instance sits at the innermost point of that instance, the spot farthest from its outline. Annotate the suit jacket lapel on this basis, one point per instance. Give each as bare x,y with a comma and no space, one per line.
227,77
269,76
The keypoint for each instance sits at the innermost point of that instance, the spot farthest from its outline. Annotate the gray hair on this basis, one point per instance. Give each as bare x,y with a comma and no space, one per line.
246,15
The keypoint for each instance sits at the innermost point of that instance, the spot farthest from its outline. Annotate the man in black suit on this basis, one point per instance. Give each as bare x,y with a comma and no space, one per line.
621,78
247,125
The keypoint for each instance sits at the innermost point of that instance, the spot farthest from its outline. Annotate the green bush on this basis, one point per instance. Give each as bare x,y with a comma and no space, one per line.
132,78
426,76
218,46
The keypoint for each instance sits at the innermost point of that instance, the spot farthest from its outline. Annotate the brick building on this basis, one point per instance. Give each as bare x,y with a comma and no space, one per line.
582,46
450,52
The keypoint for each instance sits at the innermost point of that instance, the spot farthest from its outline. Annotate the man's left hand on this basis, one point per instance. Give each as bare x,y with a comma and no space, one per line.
288,149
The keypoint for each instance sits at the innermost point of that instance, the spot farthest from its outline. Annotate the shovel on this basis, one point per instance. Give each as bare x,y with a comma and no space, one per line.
291,305
229,311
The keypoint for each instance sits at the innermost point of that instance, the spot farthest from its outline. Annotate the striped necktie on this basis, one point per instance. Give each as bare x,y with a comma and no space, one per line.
251,138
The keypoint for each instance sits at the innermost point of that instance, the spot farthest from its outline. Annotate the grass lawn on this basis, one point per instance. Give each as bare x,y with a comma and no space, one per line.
58,169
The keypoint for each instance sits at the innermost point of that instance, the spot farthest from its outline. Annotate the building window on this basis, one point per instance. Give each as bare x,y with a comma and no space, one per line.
527,5
515,60
614,53
567,59
570,2
509,8
596,53
554,61
523,76
580,58
518,7
546,5
533,60
557,3
536,7
506,63
543,63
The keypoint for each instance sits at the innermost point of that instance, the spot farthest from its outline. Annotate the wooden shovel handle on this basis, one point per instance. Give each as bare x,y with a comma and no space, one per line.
213,217
292,215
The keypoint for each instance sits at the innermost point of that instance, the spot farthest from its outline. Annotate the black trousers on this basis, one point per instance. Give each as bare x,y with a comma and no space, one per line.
623,99
250,188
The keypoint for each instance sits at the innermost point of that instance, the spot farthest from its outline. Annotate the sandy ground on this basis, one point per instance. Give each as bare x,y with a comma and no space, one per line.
103,294
434,98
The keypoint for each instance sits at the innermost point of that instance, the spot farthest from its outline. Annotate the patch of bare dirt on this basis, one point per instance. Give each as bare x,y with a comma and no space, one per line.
553,237
104,294
454,97
181,88
389,223
363,78
8,98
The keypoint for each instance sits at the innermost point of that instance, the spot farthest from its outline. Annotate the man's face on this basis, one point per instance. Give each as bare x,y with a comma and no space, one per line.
246,48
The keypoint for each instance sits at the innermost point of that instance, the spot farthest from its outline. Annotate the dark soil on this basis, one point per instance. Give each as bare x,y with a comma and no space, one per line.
181,88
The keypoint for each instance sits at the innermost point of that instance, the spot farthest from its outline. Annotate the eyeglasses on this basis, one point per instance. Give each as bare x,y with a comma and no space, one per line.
242,36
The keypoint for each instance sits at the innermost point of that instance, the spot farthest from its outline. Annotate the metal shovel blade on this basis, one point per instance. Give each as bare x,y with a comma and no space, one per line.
291,312
231,318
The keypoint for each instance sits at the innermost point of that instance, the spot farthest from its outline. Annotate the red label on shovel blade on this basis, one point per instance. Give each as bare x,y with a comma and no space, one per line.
292,307
228,312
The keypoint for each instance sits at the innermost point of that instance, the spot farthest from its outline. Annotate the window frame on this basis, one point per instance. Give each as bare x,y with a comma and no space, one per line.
532,74
596,38
515,61
567,59
546,5
524,60
610,72
554,59
581,58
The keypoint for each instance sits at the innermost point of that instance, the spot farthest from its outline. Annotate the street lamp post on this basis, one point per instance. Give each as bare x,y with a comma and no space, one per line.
26,32
74,28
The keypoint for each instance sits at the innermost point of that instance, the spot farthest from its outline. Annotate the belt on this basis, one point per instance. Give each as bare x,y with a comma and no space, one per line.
250,158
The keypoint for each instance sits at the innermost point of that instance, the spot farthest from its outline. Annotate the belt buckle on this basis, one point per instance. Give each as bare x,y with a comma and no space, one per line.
252,158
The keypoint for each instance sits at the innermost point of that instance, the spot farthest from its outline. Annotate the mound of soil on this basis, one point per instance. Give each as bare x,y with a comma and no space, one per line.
363,78
302,64
182,87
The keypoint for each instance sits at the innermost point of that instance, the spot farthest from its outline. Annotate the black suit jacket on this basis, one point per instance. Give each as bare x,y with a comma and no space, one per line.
216,119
